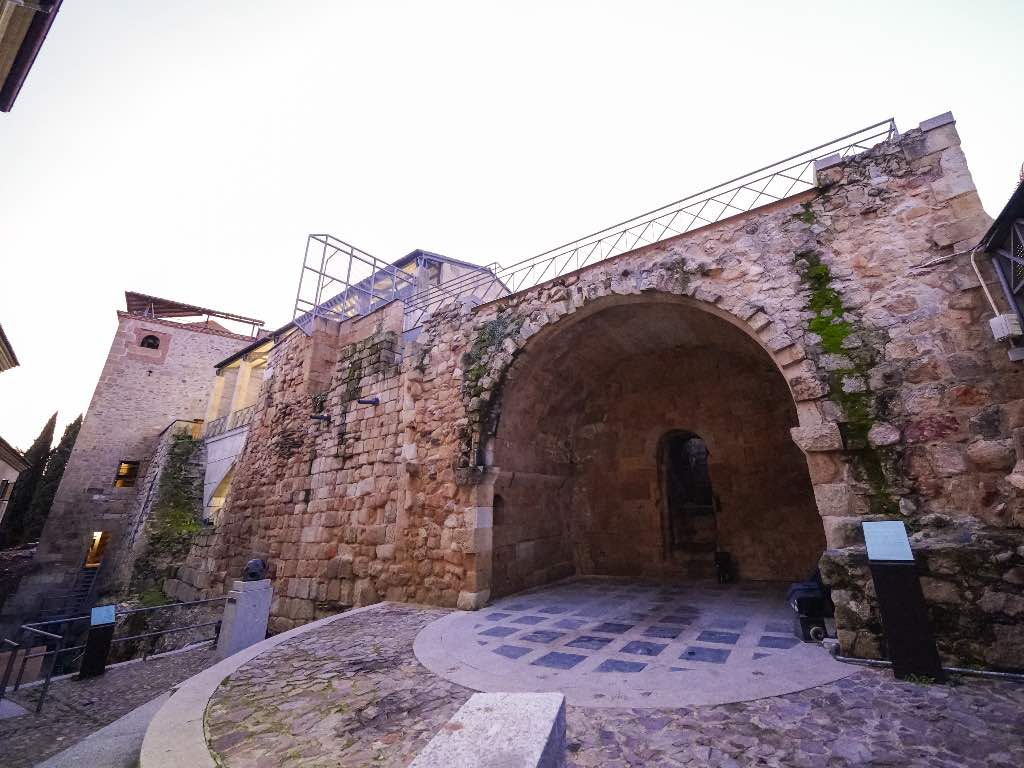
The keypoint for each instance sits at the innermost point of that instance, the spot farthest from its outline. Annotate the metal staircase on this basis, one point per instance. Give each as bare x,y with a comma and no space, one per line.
76,601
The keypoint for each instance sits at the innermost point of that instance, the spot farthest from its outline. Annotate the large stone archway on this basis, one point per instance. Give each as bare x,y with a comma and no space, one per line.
575,446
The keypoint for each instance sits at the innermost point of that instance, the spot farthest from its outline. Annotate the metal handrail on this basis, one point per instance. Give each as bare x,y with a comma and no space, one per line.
738,195
172,605
233,420
61,639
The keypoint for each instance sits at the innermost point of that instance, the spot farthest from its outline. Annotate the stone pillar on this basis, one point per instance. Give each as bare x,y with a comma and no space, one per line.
245,616
238,397
479,543
213,406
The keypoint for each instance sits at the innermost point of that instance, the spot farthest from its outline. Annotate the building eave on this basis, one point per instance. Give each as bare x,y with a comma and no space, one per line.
7,351
25,42
1013,210
10,456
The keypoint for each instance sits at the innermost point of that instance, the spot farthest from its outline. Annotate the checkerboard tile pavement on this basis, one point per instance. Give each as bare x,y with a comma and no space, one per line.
596,627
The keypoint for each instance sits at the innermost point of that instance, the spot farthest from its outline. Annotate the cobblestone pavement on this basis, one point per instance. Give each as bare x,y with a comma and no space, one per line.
865,720
348,694
75,708
351,694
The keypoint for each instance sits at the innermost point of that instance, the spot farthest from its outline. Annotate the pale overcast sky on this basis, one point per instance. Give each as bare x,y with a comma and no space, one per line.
186,149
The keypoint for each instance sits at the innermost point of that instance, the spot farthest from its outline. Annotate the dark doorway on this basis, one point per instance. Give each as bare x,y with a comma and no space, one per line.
691,504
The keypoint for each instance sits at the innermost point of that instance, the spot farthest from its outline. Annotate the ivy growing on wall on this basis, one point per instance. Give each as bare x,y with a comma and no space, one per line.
176,515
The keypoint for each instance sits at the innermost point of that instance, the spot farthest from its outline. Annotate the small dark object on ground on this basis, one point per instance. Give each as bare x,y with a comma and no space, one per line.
255,570
813,604
725,569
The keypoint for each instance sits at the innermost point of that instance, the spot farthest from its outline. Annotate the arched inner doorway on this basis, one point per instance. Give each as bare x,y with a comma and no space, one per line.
597,417
690,506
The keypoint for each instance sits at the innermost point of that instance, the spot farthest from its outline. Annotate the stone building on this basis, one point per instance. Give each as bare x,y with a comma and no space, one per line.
156,376
12,463
758,386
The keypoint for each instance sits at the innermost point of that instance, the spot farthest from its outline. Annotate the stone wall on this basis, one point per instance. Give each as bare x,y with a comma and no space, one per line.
858,294
137,532
347,511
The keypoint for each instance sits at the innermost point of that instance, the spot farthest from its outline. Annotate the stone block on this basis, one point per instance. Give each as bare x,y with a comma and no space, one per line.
992,455
843,531
514,730
473,601
946,118
245,616
882,434
479,517
833,499
818,437
807,387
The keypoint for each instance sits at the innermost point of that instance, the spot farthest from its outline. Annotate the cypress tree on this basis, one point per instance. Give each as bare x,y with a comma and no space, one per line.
42,500
13,524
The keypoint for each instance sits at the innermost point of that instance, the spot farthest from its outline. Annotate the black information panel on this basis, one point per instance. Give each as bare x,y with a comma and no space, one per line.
908,633
97,643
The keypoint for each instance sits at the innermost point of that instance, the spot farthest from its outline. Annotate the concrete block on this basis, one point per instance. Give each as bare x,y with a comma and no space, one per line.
512,730
245,616
937,122
827,162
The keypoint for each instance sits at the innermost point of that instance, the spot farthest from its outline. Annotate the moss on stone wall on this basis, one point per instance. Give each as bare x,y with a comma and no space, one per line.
478,391
807,216
488,339
843,337
176,516
318,401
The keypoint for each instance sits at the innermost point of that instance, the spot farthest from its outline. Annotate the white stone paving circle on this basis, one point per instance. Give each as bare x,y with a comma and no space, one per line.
616,643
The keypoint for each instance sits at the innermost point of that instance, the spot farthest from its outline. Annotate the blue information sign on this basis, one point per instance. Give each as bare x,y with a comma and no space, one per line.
102,614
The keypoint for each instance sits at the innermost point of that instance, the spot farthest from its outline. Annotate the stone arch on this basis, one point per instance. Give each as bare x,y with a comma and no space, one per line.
493,363
510,359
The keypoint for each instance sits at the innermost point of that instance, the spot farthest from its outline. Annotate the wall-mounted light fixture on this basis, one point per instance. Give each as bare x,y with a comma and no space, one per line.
372,400
320,417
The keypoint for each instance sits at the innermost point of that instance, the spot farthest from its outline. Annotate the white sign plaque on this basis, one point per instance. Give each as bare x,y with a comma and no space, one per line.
887,540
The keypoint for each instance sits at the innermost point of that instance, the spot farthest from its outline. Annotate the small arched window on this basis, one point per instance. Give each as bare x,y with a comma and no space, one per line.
150,342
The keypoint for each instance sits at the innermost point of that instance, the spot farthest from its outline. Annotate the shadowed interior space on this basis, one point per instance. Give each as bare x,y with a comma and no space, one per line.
637,438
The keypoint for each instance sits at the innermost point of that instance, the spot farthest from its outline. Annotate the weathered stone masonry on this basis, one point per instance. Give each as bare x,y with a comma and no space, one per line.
858,295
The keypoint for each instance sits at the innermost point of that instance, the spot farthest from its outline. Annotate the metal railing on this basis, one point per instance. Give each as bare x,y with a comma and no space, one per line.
52,660
765,185
233,420
362,283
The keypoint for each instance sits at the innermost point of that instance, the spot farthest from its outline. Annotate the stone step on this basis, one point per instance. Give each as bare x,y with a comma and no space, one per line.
520,730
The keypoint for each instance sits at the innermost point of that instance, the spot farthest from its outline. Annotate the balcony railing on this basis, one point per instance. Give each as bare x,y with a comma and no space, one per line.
234,420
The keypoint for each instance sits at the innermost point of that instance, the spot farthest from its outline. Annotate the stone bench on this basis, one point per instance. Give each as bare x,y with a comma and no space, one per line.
501,730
